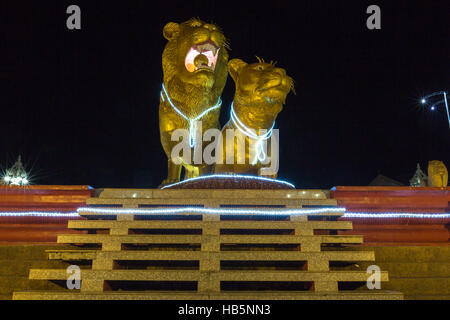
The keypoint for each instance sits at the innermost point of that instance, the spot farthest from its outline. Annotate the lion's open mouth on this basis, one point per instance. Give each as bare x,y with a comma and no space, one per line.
207,49
274,94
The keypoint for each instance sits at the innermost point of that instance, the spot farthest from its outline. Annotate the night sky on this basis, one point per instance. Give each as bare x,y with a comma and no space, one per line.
81,106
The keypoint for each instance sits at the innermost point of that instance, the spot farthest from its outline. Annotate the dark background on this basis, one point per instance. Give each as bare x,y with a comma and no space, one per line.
81,106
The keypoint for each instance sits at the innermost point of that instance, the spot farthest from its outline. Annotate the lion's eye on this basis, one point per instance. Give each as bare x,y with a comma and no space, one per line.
259,68
196,24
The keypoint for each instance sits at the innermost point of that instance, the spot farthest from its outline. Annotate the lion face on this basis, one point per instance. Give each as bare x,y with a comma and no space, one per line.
437,174
260,84
195,54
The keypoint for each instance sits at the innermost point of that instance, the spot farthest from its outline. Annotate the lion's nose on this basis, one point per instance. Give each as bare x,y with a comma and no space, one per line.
281,71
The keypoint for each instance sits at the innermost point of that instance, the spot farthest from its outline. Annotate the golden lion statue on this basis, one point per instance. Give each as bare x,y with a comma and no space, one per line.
261,91
194,63
437,174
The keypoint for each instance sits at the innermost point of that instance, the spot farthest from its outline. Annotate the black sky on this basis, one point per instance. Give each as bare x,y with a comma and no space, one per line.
81,107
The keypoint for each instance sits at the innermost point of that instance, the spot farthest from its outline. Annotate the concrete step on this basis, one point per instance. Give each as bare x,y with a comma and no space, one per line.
428,297
28,252
10,284
22,268
419,286
243,295
410,254
412,269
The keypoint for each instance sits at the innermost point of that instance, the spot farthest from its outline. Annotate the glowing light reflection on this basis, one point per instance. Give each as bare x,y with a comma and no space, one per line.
192,124
232,177
260,154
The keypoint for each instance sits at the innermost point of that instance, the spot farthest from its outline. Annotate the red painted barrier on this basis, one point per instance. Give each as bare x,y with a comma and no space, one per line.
411,231
400,231
39,229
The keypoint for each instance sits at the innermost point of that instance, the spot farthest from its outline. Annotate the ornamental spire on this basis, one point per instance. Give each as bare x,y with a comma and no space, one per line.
419,178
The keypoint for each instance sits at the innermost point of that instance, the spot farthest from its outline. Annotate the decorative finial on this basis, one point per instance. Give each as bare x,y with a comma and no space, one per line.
419,178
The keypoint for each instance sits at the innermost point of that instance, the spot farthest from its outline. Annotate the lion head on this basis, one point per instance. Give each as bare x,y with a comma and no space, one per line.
195,56
261,90
437,174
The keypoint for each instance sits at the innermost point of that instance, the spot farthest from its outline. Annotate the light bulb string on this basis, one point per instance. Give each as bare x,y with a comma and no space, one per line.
260,154
192,122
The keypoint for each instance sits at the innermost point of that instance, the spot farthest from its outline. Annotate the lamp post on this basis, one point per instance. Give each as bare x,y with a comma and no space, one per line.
433,106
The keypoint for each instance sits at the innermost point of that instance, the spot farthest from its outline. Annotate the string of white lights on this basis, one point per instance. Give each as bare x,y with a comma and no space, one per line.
39,214
374,215
396,215
209,211
260,154
230,177
192,122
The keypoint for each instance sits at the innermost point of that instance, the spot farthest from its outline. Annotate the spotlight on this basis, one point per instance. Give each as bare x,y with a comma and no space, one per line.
443,101
16,175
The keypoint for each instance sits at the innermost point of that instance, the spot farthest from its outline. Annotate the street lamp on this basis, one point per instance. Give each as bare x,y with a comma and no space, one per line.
16,175
433,106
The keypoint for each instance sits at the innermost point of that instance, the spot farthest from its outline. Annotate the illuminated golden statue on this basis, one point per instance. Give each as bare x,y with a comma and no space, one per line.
261,91
437,174
194,65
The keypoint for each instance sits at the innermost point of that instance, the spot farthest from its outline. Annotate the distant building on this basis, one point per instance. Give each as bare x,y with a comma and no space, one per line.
381,180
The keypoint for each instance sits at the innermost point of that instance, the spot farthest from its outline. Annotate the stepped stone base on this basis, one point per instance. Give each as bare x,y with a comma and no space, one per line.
118,246
237,252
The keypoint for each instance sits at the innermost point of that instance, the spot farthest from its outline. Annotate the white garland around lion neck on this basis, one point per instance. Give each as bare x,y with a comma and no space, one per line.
192,122
260,154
